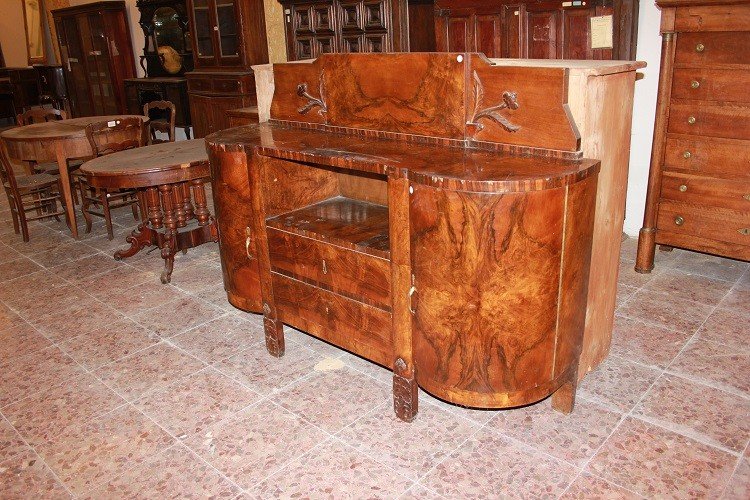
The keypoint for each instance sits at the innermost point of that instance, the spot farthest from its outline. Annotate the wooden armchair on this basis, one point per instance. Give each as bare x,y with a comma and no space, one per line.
108,137
156,111
37,193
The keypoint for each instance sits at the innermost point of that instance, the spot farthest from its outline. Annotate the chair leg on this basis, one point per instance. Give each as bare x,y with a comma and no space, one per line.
107,214
85,207
22,219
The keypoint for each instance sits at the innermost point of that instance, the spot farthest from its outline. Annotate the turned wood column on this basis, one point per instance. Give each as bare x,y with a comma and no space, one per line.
644,261
169,247
201,204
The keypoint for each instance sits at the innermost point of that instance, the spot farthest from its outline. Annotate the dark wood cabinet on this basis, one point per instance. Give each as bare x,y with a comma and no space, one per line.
52,89
229,36
371,26
97,56
536,29
141,91
22,84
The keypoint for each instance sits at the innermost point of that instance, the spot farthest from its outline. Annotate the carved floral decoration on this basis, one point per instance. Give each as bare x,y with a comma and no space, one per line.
312,101
510,101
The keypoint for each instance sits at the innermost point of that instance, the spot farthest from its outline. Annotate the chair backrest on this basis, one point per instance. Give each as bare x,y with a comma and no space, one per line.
40,115
7,174
111,136
162,115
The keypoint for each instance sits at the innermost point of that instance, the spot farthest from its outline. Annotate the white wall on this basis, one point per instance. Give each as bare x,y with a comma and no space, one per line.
649,50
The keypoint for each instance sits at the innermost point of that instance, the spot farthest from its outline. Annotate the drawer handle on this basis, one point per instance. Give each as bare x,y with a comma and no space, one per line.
325,267
700,47
691,120
687,154
412,308
679,220
747,197
683,188
247,243
695,84
745,231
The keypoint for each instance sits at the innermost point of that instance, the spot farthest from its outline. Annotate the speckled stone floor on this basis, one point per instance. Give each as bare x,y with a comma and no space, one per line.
115,386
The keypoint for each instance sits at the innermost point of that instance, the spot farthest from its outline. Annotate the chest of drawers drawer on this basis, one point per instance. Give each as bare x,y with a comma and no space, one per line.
356,275
721,47
709,84
728,158
706,191
345,322
704,222
710,119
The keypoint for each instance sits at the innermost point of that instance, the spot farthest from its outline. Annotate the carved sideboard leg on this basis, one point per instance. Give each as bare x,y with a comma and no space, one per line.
274,331
405,394
564,398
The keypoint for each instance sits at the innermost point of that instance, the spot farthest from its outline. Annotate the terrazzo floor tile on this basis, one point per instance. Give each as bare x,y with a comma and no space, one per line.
150,369
87,267
688,286
477,415
264,373
334,470
624,293
91,454
63,253
220,338
197,277
418,492
573,438
617,383
658,463
26,375
181,475
196,402
627,275
738,300
36,299
311,342
11,442
140,298
715,364
666,311
369,368
48,413
255,443
715,417
727,327
125,277
333,399
382,435
739,486
109,343
217,296
172,318
587,487
77,319
18,338
489,465
710,265
17,268
645,343
27,476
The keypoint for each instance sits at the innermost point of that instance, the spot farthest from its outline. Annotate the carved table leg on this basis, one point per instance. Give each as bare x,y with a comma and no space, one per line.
143,236
169,246
139,238
405,395
564,398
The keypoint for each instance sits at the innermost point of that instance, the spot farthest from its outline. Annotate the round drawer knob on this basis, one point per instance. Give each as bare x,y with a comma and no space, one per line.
691,120
683,188
745,231
700,47
679,220
695,84
687,154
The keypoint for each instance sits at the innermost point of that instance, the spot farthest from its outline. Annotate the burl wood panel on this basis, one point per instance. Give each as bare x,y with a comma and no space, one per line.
234,213
523,106
487,278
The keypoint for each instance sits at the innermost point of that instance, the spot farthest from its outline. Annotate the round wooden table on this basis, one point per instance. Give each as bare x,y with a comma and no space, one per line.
171,178
56,141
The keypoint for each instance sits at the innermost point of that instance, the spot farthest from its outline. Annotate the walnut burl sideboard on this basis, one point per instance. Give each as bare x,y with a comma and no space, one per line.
433,213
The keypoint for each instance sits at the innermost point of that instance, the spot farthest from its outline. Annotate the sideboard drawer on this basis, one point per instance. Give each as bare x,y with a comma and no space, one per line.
720,47
706,191
345,322
712,17
708,156
227,86
708,119
363,277
704,222
711,84
199,84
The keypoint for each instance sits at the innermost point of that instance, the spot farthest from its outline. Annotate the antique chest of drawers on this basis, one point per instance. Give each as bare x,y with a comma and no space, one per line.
699,183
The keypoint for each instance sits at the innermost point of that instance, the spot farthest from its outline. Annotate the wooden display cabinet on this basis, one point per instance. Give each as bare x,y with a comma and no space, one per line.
228,37
97,56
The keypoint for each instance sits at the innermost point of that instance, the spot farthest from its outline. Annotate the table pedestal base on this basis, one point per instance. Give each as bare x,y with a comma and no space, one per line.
169,208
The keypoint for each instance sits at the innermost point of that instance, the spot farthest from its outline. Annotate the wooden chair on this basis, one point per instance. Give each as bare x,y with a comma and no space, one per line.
107,137
37,193
41,115
157,123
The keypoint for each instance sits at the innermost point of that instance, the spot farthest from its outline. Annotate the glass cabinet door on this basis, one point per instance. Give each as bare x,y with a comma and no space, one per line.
227,30
204,42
